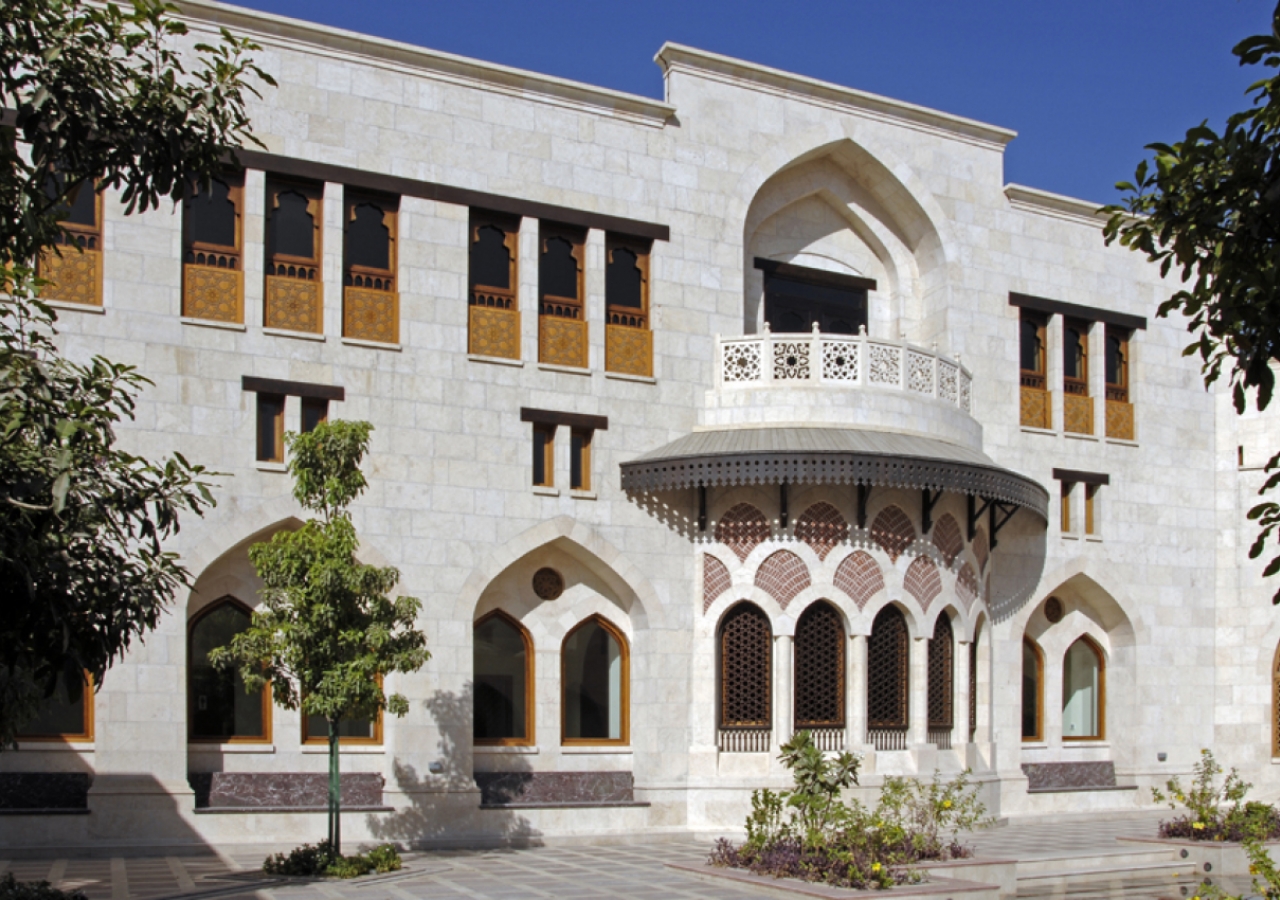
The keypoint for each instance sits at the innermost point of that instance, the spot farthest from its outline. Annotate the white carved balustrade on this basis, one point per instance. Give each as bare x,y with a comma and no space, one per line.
776,360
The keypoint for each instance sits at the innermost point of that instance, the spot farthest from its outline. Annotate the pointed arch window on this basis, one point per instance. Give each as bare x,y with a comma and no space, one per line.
745,686
1032,691
941,687
819,673
502,654
219,708
1083,692
887,680
493,320
594,684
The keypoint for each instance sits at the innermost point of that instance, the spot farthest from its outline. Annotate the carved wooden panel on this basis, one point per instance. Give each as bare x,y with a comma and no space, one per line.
493,331
819,668
370,315
746,662
893,531
1120,420
293,304
922,581
75,276
941,659
715,580
628,351
887,671
1077,414
1037,409
858,575
946,537
210,293
782,576
562,342
823,528
742,528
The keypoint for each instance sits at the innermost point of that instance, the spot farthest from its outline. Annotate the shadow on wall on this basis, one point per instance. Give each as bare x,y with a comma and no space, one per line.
445,806
1016,566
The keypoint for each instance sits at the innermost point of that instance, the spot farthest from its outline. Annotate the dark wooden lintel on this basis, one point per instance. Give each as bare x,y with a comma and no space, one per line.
292,388
573,420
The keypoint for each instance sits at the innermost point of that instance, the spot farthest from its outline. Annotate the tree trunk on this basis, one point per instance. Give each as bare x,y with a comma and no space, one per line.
335,790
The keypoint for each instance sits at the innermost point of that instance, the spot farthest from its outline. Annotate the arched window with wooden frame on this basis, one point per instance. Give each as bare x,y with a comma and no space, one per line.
745,680
820,675
212,250
370,300
628,326
1077,409
888,680
1035,403
59,718
493,318
562,318
503,666
1084,691
294,296
941,684
594,684
1119,400
1032,691
74,268
219,708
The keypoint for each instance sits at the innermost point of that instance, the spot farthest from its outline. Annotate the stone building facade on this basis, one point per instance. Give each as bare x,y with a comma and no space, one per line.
766,406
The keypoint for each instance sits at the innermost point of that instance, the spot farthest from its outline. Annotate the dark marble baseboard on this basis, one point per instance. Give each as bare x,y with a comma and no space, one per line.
508,789
44,791
272,810
1062,776
283,790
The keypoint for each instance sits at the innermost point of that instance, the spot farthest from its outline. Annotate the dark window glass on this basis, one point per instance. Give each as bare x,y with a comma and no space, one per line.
1073,352
558,270
291,229
490,258
1032,358
361,729
59,715
211,216
270,427
368,238
1030,693
220,707
580,460
623,280
792,306
593,684
1115,359
79,207
543,455
314,411
501,681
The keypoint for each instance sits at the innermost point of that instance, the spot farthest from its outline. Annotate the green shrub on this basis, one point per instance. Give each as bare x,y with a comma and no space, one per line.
1215,812
12,889
385,858
315,860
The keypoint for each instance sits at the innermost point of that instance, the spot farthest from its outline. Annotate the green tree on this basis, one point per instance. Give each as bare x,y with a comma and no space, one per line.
101,95
326,632
1208,209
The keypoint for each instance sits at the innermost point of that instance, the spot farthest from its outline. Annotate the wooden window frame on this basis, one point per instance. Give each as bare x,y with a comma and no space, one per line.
624,694
1038,737
312,403
77,230
584,462
634,317
510,228
530,694
1078,385
577,239
1066,490
1035,378
1119,390
314,195
1102,689
547,434
84,737
375,741
390,206
1091,510
279,427
267,724
235,193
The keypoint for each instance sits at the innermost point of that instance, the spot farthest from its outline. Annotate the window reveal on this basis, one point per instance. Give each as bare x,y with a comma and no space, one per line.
293,289
493,319
628,326
502,654
1032,692
562,326
212,270
370,301
74,267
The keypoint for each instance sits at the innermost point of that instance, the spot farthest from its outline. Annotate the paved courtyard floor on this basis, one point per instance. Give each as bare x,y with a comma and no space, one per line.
575,872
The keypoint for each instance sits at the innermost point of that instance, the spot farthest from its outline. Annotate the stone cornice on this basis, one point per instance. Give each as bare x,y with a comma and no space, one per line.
1034,200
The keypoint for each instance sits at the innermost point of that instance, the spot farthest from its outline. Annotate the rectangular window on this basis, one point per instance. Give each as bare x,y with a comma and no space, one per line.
1066,490
314,411
270,427
74,269
1090,509
1075,357
628,334
370,302
1119,402
562,325
1036,410
212,259
580,459
293,287
59,718
315,730
493,321
544,455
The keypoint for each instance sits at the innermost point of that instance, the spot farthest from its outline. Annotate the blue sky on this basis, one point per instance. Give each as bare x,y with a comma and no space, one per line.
1086,83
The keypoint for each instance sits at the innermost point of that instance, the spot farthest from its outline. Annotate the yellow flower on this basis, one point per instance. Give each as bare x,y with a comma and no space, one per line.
875,867
1253,870
1198,826
946,804
1182,799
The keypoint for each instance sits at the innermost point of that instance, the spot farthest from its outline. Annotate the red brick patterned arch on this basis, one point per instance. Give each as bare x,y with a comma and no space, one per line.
967,585
946,537
715,580
782,576
893,531
742,529
922,581
822,528
859,576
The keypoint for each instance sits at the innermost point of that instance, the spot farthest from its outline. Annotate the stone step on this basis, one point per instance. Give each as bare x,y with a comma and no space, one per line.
1082,872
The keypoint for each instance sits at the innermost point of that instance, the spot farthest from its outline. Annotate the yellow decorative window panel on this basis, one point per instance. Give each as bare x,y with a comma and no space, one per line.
1120,420
371,315
294,305
1078,414
562,342
75,276
209,293
494,331
1037,409
628,351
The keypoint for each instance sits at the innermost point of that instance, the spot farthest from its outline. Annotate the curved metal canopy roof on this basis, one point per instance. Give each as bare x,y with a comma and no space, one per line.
799,455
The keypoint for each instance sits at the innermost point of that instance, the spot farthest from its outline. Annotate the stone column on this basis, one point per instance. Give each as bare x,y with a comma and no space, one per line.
960,694
594,302
856,691
331,261
918,692
783,720
1098,377
1053,369
255,234
527,294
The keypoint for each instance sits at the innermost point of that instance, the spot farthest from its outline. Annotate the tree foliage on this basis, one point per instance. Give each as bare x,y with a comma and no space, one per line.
326,631
1207,208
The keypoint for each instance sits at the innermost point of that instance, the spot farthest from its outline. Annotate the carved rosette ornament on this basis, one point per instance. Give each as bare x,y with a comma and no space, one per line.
369,315
293,305
494,332
213,294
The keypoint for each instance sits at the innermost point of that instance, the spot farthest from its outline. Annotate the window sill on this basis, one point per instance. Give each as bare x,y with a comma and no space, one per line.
372,345
496,360
1079,436
264,466
1093,538
507,749
584,495
568,370
55,746
1071,537
543,491
623,376
1121,442
1035,745
346,748
299,335
595,750
211,747
213,323
1027,429
93,309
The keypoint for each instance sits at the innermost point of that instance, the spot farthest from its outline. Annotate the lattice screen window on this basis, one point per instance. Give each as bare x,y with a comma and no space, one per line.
370,301
887,658
294,297
819,668
212,251
74,269
746,663
941,655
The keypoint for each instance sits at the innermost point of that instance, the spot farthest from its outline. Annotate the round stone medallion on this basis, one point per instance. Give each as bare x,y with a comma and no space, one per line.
548,584
1053,610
